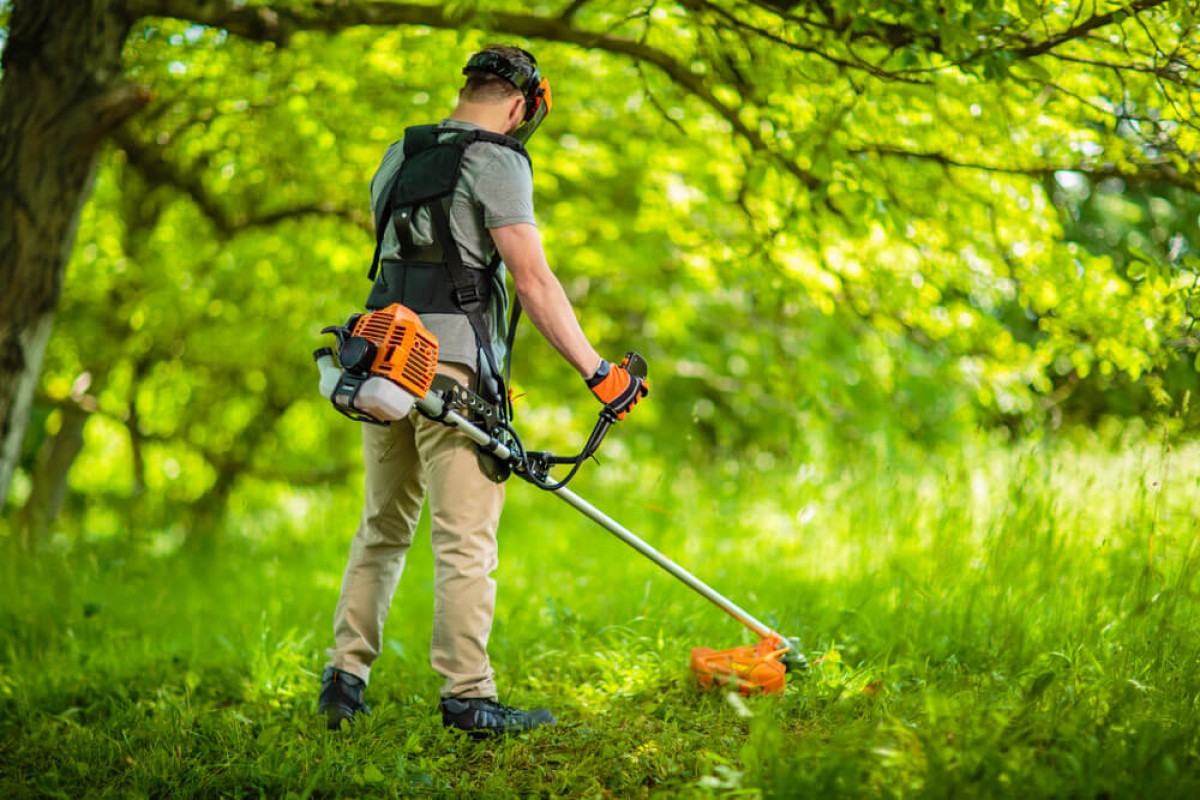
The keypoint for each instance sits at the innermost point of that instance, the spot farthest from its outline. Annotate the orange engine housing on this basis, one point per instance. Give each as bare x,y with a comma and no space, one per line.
407,353
750,669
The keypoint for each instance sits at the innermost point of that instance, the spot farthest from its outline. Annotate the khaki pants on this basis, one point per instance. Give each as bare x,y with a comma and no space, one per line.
404,461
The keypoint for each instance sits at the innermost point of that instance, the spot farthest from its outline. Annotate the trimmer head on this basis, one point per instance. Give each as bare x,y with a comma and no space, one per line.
751,669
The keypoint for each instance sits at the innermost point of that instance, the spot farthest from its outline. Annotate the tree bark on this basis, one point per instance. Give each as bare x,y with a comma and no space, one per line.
50,474
62,92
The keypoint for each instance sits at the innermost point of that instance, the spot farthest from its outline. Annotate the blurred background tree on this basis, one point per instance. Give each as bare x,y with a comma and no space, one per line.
825,226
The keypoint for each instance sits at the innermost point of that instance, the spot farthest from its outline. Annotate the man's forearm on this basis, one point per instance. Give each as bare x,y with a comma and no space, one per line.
547,306
542,296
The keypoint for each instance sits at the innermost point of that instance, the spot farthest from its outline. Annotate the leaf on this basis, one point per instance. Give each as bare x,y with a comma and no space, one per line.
372,774
268,736
1032,68
1040,684
1030,10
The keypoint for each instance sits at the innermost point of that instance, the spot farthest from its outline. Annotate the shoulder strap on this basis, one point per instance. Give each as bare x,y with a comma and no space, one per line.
505,141
381,217
417,139
420,137
513,319
467,295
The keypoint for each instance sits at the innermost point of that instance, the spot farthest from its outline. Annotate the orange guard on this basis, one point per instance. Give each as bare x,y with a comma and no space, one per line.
752,669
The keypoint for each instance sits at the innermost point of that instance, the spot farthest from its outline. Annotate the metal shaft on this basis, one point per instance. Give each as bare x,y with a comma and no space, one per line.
639,544
434,406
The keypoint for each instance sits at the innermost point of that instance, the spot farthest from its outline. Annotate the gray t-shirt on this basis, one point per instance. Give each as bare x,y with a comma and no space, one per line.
495,189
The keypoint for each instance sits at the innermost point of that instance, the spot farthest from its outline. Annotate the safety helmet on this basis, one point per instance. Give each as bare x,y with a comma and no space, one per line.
525,76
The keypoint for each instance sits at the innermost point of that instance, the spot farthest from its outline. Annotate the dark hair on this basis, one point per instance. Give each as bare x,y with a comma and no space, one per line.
484,86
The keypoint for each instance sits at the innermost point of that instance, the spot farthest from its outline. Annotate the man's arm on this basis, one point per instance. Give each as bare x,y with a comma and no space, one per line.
542,295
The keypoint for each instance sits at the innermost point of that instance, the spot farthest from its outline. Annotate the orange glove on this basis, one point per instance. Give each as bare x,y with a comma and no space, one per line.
614,386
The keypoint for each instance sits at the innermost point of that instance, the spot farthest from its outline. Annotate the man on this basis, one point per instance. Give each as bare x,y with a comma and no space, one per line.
445,258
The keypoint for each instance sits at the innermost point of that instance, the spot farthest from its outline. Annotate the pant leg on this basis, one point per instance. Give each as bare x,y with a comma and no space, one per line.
393,494
465,508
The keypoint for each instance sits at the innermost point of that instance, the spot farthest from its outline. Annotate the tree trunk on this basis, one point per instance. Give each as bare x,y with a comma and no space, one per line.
50,475
61,93
208,513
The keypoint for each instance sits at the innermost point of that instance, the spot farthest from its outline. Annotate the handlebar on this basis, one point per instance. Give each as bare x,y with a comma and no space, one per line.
496,436
536,465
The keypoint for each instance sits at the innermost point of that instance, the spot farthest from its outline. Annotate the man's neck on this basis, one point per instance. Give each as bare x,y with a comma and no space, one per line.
477,115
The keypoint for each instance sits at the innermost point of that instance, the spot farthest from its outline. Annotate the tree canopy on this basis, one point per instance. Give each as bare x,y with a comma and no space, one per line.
819,221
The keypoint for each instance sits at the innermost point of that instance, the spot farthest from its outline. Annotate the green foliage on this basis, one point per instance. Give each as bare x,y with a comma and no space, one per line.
997,622
835,230
822,225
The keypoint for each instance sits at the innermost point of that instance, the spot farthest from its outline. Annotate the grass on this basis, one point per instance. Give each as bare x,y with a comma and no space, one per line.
999,622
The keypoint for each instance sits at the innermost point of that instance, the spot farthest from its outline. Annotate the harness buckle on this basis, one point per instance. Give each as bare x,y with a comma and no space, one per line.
467,295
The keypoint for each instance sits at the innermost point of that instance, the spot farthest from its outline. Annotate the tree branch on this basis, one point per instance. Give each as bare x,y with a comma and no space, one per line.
120,102
1085,27
278,24
897,35
1149,172
572,9
1175,70
777,38
159,171
265,23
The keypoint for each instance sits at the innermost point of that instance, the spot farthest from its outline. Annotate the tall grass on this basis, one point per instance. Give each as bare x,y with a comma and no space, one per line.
999,621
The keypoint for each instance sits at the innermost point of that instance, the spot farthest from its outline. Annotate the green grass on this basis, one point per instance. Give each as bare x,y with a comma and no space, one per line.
1002,621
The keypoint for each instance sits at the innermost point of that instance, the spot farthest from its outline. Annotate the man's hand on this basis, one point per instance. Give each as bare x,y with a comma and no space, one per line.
617,388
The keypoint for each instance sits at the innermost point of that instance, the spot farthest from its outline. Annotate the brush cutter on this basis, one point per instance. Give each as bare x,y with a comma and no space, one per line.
387,365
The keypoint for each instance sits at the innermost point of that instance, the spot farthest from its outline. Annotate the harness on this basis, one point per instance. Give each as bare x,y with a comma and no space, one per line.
432,279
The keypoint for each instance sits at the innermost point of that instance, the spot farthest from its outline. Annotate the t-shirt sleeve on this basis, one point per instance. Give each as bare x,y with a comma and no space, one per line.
504,189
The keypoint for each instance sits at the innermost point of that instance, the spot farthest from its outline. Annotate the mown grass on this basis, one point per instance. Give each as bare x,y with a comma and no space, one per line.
998,622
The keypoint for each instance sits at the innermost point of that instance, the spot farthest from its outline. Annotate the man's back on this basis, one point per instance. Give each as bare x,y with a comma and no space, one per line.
495,189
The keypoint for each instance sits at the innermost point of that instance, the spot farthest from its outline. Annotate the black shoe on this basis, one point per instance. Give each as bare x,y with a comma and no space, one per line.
341,697
482,718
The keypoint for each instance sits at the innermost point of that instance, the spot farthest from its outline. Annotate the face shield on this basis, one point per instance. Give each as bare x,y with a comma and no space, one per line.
537,108
524,75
